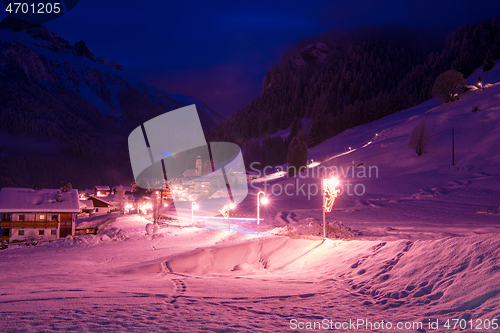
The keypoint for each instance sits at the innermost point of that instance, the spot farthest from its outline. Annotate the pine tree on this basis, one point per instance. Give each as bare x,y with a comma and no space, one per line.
314,135
297,154
488,62
296,127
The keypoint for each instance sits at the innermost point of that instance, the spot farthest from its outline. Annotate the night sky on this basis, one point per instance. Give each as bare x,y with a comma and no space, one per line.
220,51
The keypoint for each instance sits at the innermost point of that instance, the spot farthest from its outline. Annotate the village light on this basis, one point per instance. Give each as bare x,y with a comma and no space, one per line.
329,195
144,208
127,207
264,201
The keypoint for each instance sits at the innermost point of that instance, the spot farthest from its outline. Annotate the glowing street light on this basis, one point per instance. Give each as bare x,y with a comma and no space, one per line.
264,201
329,195
193,207
225,213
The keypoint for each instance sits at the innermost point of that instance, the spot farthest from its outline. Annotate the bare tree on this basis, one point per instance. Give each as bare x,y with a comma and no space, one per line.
420,138
156,203
448,85
120,198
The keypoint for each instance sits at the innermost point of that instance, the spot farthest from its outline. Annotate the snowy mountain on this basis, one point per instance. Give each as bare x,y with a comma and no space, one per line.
423,253
76,105
45,57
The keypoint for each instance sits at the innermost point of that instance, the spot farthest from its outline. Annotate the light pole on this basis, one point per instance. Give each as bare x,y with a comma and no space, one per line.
329,195
264,201
193,207
225,213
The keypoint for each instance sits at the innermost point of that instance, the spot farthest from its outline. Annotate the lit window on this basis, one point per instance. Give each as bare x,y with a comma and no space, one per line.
41,232
42,217
20,232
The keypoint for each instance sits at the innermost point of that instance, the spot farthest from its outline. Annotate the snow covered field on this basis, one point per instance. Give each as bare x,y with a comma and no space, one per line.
425,247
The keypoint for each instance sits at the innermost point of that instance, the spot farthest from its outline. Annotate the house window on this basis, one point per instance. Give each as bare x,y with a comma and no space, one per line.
53,232
42,217
21,217
54,218
41,232
20,232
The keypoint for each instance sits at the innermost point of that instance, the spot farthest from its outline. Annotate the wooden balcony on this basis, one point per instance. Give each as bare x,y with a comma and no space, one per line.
28,224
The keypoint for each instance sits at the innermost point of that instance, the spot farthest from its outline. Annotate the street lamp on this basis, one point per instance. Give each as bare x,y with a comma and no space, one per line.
193,207
264,201
225,213
329,195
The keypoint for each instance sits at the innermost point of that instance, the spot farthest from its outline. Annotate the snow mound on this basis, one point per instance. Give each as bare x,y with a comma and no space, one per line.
314,229
255,255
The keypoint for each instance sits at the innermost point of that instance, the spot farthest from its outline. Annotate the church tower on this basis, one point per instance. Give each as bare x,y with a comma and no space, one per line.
199,165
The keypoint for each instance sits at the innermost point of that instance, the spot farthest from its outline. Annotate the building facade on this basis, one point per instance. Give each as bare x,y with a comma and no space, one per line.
29,215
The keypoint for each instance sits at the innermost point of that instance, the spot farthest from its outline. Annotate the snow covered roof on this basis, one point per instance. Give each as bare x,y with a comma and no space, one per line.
20,200
99,199
126,188
102,188
86,204
191,172
185,181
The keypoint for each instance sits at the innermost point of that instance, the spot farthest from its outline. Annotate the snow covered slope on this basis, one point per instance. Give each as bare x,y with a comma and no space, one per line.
391,192
194,279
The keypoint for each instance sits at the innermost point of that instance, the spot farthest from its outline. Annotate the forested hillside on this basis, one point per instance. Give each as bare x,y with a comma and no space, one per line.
65,114
342,79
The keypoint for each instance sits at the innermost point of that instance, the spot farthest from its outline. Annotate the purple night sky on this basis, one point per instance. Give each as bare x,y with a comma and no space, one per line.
220,51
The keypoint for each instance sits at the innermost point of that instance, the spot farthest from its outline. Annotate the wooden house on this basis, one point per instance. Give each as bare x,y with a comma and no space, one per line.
29,215
101,206
101,191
